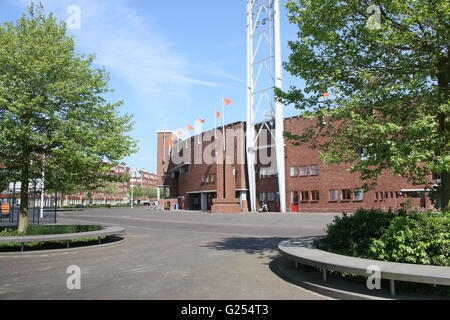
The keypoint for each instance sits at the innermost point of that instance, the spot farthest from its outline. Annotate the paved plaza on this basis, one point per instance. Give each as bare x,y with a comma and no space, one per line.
182,255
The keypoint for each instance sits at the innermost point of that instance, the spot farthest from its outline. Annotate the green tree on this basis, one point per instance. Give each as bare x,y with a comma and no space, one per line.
140,192
54,116
151,193
376,79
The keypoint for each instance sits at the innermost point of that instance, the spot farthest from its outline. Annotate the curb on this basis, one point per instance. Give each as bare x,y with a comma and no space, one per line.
336,288
56,251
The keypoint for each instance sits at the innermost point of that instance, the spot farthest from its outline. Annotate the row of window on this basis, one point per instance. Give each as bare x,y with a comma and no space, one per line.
304,171
304,196
268,173
268,196
333,195
382,195
209,178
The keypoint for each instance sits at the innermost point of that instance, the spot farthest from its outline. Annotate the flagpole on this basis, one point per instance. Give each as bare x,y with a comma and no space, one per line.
200,127
215,122
223,121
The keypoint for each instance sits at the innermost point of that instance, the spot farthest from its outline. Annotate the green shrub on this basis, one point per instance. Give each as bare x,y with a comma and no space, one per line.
352,235
34,230
420,238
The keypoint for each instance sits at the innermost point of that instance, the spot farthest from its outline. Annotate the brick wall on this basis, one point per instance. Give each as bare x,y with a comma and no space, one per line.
330,177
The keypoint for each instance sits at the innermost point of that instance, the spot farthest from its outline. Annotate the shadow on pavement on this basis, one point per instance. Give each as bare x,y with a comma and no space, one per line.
265,247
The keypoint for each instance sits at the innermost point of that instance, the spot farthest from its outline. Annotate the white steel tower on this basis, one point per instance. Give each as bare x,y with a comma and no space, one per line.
264,73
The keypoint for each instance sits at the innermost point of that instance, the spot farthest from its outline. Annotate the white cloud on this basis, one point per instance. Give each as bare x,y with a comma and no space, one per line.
154,76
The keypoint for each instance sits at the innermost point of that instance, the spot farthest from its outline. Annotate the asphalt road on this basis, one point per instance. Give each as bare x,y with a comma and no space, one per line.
167,256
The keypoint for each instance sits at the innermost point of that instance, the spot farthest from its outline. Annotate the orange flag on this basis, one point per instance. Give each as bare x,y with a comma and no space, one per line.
190,128
217,115
227,101
326,95
202,120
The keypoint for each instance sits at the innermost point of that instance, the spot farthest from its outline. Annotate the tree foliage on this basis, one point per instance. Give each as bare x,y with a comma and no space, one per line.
54,116
385,68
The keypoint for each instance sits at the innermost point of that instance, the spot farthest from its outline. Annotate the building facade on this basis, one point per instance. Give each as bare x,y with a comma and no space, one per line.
311,186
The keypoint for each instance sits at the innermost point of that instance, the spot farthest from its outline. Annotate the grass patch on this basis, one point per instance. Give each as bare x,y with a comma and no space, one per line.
36,230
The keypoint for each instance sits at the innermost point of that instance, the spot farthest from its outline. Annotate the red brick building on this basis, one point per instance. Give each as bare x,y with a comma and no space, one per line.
311,186
113,193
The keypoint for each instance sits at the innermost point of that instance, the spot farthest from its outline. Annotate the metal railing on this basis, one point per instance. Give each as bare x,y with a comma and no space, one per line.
10,218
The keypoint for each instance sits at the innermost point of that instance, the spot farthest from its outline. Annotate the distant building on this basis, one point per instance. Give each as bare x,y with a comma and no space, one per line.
113,193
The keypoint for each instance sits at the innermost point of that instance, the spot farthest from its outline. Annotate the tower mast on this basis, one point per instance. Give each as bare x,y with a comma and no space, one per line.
264,73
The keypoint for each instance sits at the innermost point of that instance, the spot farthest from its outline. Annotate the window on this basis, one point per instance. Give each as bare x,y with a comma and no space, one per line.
213,178
334,195
294,198
262,173
346,194
271,196
315,195
359,195
294,171
376,196
303,171
305,195
262,197
314,170
437,179
363,154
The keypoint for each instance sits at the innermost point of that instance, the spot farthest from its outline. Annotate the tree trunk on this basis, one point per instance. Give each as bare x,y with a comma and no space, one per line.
23,216
445,191
443,77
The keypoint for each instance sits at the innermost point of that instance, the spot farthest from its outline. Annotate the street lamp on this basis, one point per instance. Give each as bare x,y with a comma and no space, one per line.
132,188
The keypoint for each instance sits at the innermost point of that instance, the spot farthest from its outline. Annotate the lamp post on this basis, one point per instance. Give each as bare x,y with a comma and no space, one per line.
132,188
41,216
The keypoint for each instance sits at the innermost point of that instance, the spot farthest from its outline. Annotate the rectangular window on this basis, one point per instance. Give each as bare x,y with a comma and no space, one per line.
303,171
262,197
359,195
314,170
262,173
334,195
294,171
346,194
305,195
315,195
376,196
294,198
213,178
363,154
271,197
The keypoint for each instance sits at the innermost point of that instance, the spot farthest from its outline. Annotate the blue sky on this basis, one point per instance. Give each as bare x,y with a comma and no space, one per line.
170,61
